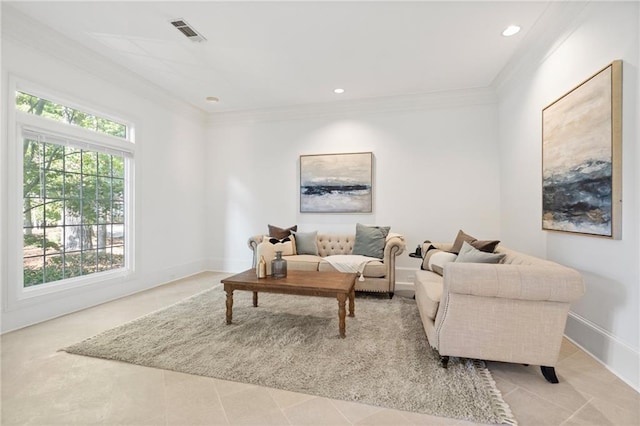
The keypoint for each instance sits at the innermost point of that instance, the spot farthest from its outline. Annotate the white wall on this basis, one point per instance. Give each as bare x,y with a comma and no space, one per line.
435,171
606,321
169,188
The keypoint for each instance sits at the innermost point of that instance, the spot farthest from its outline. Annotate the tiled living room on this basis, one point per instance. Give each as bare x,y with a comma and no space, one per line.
192,124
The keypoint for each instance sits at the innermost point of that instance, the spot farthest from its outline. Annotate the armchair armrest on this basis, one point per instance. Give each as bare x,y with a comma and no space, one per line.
523,282
253,245
394,246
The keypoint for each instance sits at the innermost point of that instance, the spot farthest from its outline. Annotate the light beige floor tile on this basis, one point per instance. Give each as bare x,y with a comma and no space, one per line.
567,348
621,405
316,411
425,419
192,400
253,407
385,417
562,394
531,410
353,411
286,399
590,416
226,387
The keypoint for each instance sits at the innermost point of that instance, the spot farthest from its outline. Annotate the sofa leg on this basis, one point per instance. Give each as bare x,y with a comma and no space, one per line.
549,373
444,361
390,295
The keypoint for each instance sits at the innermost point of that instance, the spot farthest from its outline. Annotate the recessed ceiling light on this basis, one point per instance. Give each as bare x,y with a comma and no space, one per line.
212,99
338,91
511,30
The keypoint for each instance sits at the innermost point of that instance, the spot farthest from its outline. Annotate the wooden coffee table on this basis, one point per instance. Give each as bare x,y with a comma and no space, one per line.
340,285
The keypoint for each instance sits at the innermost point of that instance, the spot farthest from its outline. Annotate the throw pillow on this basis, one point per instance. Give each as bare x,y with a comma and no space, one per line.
460,238
426,256
306,242
281,233
370,240
266,250
470,254
286,245
483,245
437,260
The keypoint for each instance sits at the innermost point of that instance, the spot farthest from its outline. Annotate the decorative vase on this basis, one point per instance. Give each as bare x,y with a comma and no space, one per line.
262,268
279,266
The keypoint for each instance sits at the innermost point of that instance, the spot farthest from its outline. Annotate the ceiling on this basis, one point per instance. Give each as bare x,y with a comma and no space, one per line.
275,54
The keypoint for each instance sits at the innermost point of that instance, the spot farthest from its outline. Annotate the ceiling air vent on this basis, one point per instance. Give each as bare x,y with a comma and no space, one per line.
187,30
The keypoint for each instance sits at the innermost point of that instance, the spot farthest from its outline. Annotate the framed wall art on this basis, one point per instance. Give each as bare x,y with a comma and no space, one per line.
581,157
336,183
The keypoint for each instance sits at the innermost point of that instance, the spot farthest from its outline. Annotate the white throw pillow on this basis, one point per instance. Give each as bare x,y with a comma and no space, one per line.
287,245
437,261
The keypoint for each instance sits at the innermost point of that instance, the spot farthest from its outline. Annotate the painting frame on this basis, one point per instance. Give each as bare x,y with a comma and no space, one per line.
582,157
336,183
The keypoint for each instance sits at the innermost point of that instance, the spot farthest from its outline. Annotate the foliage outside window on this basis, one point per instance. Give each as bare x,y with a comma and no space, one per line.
73,199
54,111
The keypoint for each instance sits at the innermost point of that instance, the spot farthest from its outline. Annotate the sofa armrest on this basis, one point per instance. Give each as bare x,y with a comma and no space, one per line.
393,247
253,245
523,282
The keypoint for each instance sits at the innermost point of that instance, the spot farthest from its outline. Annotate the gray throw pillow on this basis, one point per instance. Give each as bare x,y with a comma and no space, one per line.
470,254
306,242
370,240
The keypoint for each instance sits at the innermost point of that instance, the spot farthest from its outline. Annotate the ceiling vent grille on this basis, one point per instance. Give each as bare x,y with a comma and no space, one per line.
186,29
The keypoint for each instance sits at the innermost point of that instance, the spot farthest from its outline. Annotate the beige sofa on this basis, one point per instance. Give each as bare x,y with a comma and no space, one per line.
514,311
379,276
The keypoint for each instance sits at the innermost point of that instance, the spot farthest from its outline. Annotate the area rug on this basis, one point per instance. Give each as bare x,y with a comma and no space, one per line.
292,343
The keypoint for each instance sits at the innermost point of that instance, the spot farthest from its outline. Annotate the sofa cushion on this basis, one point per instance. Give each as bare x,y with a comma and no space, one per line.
373,269
302,262
306,242
470,254
428,287
286,245
370,240
434,260
281,233
438,260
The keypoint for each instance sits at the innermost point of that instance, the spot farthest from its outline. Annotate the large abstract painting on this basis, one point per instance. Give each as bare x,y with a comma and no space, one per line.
581,157
336,183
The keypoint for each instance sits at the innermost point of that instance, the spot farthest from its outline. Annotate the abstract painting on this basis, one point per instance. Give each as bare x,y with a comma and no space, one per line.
581,157
336,183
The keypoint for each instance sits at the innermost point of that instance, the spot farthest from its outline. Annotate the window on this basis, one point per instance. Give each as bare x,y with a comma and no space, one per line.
75,191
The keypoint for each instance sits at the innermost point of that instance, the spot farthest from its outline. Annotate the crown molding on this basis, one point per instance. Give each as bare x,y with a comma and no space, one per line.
559,20
341,109
19,28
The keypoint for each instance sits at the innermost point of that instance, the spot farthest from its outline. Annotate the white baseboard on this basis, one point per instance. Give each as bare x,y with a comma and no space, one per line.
63,303
227,265
618,357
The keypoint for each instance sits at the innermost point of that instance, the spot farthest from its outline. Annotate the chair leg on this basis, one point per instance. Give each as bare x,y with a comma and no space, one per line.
549,373
444,361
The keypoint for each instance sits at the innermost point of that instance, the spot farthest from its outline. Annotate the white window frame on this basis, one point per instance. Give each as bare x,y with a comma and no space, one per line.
19,121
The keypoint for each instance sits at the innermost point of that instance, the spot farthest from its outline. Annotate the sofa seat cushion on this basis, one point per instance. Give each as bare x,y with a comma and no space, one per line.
428,288
373,269
302,262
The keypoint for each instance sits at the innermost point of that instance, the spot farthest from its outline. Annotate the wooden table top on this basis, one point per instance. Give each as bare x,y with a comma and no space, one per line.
335,282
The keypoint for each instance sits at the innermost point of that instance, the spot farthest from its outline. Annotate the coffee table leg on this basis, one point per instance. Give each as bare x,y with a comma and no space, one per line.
255,299
352,304
229,304
342,311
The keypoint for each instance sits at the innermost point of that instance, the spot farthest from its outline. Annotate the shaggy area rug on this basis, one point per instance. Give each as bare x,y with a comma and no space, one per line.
292,343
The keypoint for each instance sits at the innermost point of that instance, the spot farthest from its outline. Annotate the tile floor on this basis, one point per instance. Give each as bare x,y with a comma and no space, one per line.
41,386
